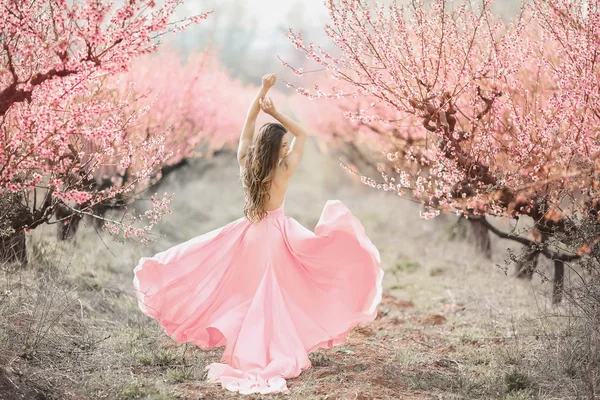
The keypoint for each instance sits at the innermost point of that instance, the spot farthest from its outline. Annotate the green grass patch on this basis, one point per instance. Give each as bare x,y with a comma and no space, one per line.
180,374
516,381
436,271
407,266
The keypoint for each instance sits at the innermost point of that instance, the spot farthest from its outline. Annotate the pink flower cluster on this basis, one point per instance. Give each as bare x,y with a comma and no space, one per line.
126,226
478,116
189,102
61,129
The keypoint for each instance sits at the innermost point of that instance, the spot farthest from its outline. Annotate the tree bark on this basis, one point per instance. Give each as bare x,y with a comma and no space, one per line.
13,248
68,224
13,213
473,230
559,281
525,269
479,233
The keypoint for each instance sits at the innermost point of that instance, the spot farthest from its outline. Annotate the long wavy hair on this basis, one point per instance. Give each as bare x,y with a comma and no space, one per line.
261,160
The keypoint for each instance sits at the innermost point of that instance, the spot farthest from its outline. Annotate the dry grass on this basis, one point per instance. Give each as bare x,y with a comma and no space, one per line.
451,325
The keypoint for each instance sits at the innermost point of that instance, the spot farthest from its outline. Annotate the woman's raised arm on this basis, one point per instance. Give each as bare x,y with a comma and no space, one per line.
293,156
250,124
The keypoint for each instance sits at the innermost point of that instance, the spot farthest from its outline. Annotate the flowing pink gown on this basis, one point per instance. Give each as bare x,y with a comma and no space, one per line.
270,293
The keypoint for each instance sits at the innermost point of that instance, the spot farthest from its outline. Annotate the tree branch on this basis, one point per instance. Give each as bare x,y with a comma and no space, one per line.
553,255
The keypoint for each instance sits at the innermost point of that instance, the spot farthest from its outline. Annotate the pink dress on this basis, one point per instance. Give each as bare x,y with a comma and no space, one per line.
270,293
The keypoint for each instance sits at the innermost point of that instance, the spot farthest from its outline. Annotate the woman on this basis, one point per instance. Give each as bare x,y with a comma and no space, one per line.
265,287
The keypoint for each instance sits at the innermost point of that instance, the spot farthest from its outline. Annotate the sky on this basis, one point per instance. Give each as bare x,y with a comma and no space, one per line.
270,13
250,34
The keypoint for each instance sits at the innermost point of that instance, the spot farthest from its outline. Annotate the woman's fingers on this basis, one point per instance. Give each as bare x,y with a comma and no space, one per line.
266,104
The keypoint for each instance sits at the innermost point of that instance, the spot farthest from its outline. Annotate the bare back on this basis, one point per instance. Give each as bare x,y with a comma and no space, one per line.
279,185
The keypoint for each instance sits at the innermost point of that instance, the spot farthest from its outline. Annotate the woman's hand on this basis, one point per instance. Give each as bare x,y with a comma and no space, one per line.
267,106
269,80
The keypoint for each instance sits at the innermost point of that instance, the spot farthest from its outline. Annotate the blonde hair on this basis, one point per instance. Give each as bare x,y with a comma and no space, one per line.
262,158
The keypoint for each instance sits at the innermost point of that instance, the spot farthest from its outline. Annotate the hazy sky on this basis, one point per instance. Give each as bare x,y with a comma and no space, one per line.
250,34
270,13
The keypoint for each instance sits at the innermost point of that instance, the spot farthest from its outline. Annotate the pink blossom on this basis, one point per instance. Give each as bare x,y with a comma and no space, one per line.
511,110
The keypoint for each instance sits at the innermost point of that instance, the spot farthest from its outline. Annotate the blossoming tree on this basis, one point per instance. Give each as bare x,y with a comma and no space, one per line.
56,125
193,103
509,126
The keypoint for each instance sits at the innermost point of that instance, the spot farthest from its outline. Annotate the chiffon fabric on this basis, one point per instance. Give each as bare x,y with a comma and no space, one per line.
270,292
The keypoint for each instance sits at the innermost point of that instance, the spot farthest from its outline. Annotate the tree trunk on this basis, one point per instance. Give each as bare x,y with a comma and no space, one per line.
479,233
475,231
559,281
525,269
13,248
68,224
168,169
13,213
